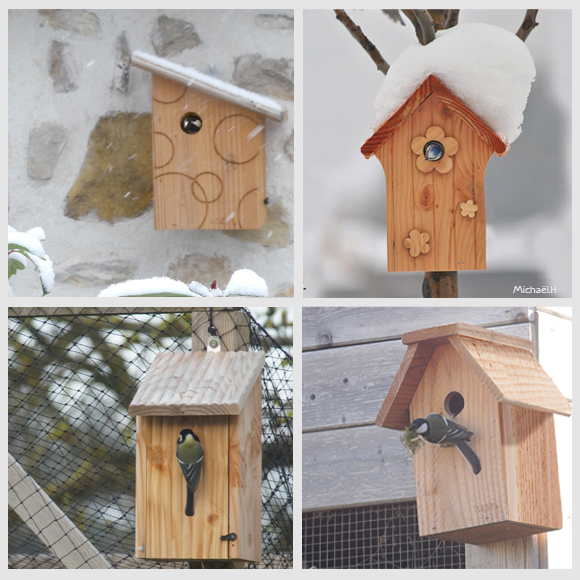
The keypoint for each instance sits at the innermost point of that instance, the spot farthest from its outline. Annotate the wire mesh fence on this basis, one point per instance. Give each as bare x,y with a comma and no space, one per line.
380,536
72,375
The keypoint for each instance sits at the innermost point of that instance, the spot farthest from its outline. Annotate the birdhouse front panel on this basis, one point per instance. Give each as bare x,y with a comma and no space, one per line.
209,161
167,533
434,151
449,495
443,203
218,396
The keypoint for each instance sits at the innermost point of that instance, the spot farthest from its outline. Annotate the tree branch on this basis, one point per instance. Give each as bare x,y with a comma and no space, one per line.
427,26
440,285
452,19
410,14
528,25
361,38
394,16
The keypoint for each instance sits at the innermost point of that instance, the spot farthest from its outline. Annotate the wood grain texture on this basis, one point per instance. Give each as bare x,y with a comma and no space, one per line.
432,85
204,84
245,475
233,329
346,386
444,331
325,327
517,491
198,383
449,496
513,375
213,179
358,466
525,552
534,478
170,534
430,202
47,521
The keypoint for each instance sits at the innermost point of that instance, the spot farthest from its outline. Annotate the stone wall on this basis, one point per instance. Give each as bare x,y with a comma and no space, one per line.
73,93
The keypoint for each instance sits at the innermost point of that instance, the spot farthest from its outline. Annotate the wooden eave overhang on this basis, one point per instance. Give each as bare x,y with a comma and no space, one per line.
504,364
432,85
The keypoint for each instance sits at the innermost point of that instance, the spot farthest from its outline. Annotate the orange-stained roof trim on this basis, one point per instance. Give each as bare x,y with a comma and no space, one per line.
432,85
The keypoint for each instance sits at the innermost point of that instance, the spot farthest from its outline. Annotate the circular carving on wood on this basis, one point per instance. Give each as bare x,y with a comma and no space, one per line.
168,93
207,187
244,198
163,153
234,139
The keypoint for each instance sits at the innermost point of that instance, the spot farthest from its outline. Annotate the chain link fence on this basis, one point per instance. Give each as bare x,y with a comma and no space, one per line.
72,375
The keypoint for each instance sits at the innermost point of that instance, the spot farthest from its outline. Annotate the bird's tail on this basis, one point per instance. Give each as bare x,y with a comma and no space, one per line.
189,504
470,456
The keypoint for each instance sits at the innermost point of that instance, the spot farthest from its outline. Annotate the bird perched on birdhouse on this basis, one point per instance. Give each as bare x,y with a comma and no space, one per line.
444,109
199,429
492,385
209,149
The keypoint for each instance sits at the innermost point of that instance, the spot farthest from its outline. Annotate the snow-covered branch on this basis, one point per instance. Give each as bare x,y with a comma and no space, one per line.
528,25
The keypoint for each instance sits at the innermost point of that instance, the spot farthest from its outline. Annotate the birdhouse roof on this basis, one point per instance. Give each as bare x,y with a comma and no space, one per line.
432,85
198,383
504,364
219,89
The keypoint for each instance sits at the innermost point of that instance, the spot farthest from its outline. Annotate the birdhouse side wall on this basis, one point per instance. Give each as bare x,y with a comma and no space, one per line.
430,202
449,496
245,477
215,178
531,465
163,530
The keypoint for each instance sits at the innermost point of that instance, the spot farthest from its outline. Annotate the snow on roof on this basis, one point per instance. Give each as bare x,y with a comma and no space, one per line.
486,67
216,88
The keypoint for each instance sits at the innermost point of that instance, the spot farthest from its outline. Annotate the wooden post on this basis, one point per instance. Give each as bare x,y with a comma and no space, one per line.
233,328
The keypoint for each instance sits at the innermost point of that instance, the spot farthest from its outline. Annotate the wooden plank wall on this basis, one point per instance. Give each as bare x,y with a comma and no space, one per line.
350,357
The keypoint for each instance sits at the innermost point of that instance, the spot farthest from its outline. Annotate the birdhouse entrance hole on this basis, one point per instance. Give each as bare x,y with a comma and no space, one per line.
191,123
433,151
454,403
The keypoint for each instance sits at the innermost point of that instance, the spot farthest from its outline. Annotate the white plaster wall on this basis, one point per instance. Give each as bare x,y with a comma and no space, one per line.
71,244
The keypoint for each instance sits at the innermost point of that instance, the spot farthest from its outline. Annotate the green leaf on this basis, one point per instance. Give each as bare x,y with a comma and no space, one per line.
14,266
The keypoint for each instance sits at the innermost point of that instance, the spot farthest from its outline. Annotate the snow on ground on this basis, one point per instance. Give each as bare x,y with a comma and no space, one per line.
486,67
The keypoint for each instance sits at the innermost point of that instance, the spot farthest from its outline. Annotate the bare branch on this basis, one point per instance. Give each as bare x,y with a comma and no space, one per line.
438,17
426,23
452,19
440,285
394,16
361,38
528,25
410,14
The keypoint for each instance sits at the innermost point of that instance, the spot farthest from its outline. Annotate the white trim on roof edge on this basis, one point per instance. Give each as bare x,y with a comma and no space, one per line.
190,77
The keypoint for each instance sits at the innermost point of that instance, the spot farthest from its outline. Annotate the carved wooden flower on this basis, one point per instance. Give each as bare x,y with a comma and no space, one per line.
416,243
468,208
434,151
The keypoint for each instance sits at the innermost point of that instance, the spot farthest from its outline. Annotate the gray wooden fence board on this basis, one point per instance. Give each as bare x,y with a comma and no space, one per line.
355,466
327,327
346,386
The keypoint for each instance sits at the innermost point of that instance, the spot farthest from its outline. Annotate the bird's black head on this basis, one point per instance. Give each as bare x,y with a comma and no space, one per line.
420,426
184,433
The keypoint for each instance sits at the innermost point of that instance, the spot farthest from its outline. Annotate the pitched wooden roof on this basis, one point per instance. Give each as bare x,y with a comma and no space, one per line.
216,88
505,364
198,383
432,85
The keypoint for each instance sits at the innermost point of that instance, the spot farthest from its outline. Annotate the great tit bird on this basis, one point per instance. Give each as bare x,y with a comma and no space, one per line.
438,429
190,457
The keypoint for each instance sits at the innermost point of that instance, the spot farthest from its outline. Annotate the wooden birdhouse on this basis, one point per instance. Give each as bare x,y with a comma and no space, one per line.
491,384
218,395
434,151
209,149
